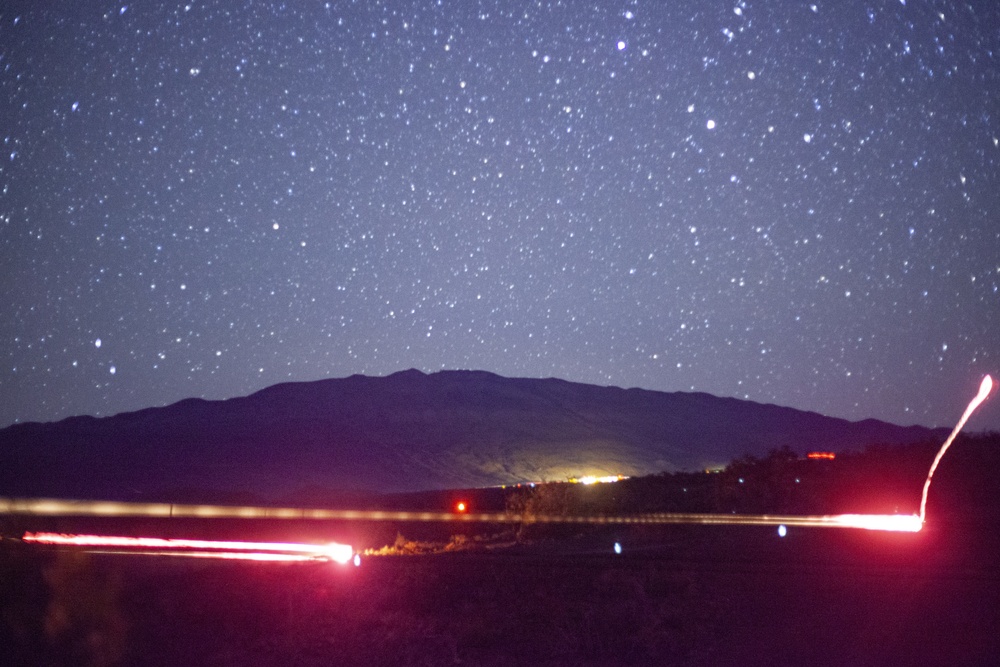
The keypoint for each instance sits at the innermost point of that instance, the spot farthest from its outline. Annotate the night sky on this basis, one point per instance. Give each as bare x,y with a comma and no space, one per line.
788,202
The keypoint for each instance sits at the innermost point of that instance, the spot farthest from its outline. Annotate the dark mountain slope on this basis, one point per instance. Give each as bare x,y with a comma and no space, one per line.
409,431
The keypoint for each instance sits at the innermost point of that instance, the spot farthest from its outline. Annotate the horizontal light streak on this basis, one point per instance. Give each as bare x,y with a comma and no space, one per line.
340,553
221,555
893,522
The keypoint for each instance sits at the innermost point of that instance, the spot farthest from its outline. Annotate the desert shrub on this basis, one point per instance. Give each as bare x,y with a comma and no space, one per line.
533,505
752,485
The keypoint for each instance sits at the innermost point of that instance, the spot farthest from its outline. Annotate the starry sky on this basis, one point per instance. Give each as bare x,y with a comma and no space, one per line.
790,202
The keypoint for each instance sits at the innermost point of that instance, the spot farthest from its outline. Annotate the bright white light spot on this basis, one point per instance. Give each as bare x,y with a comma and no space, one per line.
618,547
782,531
76,105
194,71
751,75
339,553
461,84
357,560
621,45
113,370
629,15
807,137
710,124
738,11
97,343
274,226
690,108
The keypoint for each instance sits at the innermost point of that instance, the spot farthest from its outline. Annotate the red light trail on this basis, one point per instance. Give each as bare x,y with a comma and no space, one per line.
277,551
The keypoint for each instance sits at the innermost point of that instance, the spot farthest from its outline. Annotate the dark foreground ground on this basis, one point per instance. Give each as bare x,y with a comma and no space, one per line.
691,595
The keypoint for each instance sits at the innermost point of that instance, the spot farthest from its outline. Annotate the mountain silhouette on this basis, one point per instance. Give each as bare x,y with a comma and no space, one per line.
409,431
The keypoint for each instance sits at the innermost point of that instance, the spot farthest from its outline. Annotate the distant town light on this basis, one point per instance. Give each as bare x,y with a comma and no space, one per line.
829,456
593,479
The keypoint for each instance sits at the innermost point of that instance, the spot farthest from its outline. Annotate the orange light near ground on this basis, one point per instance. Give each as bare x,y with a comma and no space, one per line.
828,456
461,506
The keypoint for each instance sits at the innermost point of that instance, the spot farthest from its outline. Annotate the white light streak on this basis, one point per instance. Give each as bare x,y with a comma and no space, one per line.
984,390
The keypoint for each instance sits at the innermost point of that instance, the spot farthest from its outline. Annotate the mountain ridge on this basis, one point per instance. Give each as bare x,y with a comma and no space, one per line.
411,431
